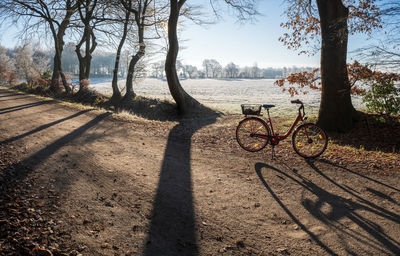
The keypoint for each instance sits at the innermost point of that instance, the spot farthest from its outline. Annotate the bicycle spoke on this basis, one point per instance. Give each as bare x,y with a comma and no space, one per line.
309,141
246,134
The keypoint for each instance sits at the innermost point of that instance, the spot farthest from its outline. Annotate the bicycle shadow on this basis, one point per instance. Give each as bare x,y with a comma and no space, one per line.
172,229
314,237
356,173
340,208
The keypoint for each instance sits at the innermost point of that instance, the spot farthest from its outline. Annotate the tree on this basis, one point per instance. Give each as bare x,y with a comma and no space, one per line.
30,65
212,68
158,69
191,71
207,68
70,63
216,69
87,14
41,60
124,15
24,64
186,103
55,15
141,17
255,71
231,70
385,53
7,68
333,20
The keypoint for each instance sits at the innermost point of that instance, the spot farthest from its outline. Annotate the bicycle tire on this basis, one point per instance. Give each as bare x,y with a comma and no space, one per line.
309,140
245,134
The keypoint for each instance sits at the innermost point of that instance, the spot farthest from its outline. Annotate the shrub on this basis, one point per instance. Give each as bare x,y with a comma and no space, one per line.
383,98
46,75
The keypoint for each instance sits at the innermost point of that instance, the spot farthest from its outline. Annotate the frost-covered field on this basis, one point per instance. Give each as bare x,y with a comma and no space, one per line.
225,95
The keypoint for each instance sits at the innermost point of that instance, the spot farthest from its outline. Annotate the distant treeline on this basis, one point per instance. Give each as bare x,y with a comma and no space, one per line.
103,64
213,69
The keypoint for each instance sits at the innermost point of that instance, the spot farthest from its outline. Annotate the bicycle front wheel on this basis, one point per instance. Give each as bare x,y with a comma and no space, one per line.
252,134
309,140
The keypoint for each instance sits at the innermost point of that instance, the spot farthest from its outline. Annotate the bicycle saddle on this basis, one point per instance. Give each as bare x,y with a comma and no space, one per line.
268,106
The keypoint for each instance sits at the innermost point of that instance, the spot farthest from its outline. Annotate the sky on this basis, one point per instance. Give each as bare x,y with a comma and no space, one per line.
250,43
243,44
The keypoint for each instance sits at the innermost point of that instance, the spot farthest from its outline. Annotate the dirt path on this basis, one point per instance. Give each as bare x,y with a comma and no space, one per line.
98,185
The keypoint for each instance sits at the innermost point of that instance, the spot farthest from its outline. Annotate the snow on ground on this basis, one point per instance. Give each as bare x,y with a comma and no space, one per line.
226,94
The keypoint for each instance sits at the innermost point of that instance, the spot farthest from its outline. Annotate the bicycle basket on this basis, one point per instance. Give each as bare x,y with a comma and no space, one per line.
251,109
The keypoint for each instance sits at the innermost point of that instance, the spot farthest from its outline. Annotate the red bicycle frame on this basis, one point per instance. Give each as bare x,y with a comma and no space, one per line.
300,117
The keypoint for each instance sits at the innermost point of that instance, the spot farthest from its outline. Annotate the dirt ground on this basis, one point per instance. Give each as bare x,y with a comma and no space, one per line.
87,182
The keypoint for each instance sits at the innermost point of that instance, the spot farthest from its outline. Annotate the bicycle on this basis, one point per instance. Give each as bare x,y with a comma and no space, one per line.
253,133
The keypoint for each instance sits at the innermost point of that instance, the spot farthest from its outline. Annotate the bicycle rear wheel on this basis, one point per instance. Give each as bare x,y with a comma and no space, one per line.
249,132
309,140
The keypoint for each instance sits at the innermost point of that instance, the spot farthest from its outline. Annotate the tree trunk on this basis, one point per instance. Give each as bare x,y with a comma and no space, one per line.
54,85
57,69
89,39
135,59
116,96
131,70
185,103
59,47
85,61
336,111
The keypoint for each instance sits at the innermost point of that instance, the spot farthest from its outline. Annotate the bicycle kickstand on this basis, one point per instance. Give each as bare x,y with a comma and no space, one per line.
273,155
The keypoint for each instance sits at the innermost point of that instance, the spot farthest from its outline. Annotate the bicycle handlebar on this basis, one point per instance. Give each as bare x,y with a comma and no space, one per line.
301,106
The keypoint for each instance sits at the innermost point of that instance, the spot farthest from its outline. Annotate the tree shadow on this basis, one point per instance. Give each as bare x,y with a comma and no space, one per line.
4,94
25,106
172,228
42,127
20,98
21,169
339,209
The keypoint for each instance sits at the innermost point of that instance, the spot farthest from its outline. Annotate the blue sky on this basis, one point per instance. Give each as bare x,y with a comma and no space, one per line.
243,44
246,44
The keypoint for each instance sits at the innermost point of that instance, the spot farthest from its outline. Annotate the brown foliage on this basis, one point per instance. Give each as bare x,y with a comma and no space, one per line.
298,81
6,74
357,73
303,22
84,84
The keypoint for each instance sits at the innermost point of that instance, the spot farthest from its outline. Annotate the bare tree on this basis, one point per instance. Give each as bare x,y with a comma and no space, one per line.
124,16
231,70
140,9
87,14
185,103
191,71
54,15
385,53
7,67
24,63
